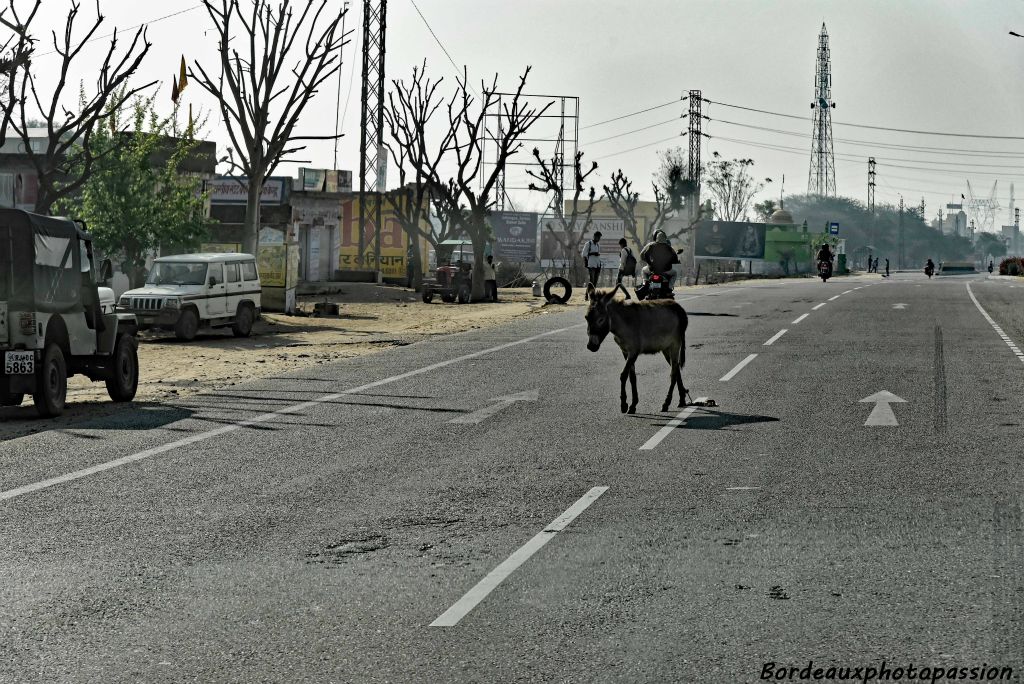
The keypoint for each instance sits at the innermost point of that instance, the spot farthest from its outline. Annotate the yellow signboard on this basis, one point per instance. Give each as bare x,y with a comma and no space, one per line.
394,242
272,264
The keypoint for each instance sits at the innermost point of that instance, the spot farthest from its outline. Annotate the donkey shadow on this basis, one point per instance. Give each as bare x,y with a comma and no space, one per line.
709,419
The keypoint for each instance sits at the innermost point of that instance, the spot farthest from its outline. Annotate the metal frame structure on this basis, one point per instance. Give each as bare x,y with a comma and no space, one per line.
871,197
821,177
372,153
564,144
693,165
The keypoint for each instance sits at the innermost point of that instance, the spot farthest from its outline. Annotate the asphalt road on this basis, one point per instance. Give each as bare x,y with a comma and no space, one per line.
372,524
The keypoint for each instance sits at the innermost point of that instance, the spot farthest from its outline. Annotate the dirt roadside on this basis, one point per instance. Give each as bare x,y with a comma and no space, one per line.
372,318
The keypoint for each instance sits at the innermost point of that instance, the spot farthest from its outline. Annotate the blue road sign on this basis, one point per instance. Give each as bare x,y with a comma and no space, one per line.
833,228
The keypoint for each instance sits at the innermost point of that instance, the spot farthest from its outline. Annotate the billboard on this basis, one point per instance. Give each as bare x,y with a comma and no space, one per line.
394,243
729,240
515,235
235,190
324,180
611,229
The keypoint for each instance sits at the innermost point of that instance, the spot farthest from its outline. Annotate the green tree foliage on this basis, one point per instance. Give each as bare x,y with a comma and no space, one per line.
881,235
138,198
989,243
764,210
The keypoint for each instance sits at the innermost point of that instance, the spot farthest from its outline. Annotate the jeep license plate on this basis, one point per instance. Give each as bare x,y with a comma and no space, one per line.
19,363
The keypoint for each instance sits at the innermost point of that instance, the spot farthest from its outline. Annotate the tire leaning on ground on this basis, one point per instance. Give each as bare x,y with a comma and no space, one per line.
187,325
124,369
557,281
51,383
242,327
11,398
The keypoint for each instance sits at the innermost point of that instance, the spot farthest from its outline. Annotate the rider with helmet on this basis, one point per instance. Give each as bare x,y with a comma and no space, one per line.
659,257
825,256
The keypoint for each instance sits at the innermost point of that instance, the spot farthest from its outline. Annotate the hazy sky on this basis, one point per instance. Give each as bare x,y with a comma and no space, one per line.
928,65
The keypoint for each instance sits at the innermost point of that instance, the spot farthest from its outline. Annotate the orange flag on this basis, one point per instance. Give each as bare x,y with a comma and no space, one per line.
182,78
175,91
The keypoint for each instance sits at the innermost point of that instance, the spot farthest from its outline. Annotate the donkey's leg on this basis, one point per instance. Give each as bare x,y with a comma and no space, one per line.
632,382
622,383
668,353
679,371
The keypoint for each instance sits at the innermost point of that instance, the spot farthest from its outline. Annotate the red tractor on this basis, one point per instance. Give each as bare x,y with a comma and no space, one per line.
453,279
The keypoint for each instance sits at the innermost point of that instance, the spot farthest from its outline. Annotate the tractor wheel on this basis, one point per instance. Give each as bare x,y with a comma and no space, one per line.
447,297
124,371
557,281
51,383
428,295
464,294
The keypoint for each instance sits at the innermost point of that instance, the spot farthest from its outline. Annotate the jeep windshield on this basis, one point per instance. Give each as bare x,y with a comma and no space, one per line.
177,273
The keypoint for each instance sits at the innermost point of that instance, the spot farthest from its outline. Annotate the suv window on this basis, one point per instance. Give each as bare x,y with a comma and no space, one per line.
232,271
216,274
249,270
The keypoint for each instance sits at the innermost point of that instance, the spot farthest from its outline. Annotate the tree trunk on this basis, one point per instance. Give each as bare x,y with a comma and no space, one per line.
251,228
479,292
417,265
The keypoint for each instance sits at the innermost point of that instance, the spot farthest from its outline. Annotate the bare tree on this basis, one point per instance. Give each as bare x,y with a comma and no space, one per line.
68,159
262,91
15,54
624,200
731,184
570,229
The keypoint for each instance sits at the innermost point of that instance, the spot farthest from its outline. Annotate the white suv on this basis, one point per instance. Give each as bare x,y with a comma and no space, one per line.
189,291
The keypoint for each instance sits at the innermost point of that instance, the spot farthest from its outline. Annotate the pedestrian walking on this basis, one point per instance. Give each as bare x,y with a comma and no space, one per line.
591,254
869,262
874,268
627,262
886,268
490,278
991,267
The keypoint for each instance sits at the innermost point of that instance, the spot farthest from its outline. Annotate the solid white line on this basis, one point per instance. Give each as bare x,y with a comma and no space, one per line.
775,337
474,596
1006,338
203,436
670,426
739,366
815,308
832,299
802,317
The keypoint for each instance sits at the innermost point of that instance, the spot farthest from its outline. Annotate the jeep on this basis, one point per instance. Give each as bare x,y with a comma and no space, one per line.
189,291
57,317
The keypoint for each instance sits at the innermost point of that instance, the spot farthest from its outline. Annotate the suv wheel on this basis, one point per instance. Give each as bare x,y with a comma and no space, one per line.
124,369
11,398
187,325
51,383
242,326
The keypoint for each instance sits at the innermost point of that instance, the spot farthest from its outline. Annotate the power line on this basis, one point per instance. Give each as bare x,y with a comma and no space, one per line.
636,130
640,147
639,111
131,28
437,40
876,128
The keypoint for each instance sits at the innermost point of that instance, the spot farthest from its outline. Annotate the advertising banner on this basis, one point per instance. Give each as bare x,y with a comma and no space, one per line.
394,244
272,263
515,235
729,240
235,190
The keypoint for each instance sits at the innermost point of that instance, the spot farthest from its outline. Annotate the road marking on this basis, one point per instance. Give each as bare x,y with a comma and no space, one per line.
848,291
815,308
670,426
1006,338
474,596
262,418
802,317
739,366
486,412
882,413
741,488
899,306
775,337
832,299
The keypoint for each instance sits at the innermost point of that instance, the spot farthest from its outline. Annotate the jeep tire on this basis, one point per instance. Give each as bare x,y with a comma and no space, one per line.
124,369
242,327
51,382
187,325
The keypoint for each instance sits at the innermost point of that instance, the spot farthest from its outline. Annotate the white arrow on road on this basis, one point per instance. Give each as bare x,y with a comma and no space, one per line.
899,306
499,403
882,413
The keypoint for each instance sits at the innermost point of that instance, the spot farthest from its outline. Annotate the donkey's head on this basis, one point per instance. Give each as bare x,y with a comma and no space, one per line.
598,321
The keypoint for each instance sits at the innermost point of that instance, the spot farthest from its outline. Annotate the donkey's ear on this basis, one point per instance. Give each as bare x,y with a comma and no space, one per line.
589,292
609,295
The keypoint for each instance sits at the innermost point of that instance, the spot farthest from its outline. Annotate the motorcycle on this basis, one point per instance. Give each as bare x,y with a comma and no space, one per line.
657,287
824,270
929,271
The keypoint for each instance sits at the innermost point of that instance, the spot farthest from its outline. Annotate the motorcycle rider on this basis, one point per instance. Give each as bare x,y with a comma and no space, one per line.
929,268
659,257
825,255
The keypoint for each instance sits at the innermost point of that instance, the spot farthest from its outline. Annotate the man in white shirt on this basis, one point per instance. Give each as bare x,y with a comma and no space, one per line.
591,254
490,278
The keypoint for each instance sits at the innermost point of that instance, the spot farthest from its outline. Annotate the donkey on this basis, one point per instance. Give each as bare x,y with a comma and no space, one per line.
646,327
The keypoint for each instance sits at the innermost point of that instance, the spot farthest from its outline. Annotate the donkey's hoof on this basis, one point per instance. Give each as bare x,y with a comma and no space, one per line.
664,407
632,409
623,408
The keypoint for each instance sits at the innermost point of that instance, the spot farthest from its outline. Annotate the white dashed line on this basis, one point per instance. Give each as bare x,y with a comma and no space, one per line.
832,299
474,596
775,338
670,426
802,317
1006,338
739,366
848,292
741,489
815,308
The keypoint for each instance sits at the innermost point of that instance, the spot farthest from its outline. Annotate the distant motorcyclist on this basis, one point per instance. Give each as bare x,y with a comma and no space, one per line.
991,267
825,256
929,268
659,257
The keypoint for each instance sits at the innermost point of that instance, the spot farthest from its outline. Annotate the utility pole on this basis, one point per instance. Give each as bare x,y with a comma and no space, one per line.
899,251
693,166
821,178
372,154
871,196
